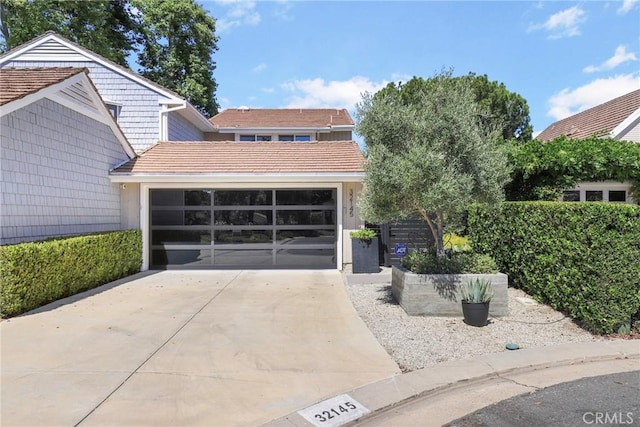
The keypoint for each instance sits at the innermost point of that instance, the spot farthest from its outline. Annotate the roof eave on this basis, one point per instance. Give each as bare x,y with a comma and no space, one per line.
219,178
235,129
194,116
625,124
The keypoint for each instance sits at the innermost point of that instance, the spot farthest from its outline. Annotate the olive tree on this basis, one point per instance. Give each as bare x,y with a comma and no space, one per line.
428,157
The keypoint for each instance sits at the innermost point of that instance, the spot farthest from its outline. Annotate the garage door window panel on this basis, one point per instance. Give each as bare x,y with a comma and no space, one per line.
243,236
181,237
198,257
224,198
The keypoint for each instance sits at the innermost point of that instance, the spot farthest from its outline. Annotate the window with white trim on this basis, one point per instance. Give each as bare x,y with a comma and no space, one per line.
302,138
613,192
254,138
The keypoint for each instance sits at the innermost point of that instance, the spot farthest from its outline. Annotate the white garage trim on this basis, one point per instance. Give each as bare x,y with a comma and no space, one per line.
145,207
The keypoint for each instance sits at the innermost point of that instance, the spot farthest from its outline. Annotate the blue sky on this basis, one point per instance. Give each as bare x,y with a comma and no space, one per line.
562,57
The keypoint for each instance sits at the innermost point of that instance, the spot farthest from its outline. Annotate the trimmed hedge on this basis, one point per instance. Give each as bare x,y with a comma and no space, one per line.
36,273
580,258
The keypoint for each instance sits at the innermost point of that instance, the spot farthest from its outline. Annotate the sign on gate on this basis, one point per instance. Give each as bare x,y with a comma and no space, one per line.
400,249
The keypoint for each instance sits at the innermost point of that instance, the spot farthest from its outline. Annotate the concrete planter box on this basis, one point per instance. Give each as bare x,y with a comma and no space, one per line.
439,294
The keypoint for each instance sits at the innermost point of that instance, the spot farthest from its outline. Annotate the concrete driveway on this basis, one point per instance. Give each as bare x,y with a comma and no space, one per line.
178,348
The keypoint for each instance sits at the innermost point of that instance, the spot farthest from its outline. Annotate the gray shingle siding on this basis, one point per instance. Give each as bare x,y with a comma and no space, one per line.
140,115
181,130
54,165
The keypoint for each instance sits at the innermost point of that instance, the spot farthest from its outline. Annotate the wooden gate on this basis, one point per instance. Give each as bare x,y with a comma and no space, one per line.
414,232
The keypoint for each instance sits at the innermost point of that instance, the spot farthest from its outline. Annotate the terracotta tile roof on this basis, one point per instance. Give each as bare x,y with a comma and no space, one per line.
282,118
16,83
246,157
598,120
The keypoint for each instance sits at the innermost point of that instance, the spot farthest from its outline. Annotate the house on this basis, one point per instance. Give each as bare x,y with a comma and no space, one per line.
245,124
619,119
145,111
247,188
58,141
268,189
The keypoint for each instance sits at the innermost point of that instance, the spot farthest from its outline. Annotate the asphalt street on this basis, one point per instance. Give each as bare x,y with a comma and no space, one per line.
607,400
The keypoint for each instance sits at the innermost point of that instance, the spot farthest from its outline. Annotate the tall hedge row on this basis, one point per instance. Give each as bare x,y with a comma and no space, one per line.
580,258
34,274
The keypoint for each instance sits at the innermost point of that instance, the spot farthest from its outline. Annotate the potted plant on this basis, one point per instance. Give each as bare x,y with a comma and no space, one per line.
364,251
476,296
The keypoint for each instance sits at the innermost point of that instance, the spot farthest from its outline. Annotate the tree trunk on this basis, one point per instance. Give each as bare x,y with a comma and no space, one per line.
437,230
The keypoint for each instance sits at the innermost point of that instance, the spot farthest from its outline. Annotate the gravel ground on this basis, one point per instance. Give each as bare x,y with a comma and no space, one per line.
415,342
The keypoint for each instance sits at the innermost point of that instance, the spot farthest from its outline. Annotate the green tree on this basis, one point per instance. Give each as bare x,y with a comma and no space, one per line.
428,154
173,40
106,27
179,41
502,109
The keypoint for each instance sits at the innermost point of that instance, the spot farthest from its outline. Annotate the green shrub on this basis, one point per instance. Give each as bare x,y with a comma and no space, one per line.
580,258
541,170
456,243
363,234
36,273
426,262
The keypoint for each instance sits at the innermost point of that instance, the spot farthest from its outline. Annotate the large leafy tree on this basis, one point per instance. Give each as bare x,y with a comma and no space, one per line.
429,154
107,27
504,110
179,40
171,40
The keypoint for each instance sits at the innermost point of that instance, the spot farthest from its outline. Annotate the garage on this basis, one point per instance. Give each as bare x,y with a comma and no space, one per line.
242,228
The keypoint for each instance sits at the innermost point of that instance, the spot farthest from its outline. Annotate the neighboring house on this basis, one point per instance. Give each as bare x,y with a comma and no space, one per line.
245,124
145,111
272,195
280,192
619,119
58,142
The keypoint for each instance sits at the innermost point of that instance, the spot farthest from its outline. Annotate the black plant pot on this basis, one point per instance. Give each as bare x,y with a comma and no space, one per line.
365,255
475,313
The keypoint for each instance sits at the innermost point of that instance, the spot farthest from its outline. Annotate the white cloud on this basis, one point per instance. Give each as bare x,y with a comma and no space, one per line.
627,5
568,102
239,12
563,24
283,7
316,93
268,90
620,56
259,68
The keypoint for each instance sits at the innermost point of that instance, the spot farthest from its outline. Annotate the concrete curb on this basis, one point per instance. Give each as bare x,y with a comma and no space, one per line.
455,375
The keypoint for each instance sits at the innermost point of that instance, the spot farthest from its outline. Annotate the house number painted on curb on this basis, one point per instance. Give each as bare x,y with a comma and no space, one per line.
334,412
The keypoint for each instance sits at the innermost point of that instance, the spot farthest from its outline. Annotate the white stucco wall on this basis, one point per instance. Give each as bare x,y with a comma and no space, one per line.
350,217
54,165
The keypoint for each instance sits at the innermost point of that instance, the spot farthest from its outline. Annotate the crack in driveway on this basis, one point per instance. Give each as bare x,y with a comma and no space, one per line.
209,301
